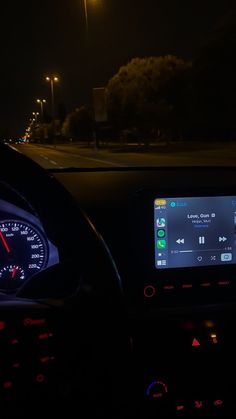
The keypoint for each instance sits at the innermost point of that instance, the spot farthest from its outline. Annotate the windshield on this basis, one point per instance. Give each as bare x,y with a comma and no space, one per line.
119,83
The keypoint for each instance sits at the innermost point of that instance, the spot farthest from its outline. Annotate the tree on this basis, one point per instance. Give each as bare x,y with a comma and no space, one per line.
150,93
79,124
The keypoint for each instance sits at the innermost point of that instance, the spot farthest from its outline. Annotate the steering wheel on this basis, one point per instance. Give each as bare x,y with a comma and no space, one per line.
64,340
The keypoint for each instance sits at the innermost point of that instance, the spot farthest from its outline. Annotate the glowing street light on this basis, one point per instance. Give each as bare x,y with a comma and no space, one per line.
41,102
52,80
86,13
35,115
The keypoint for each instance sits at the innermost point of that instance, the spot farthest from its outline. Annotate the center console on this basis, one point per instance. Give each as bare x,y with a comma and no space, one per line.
189,306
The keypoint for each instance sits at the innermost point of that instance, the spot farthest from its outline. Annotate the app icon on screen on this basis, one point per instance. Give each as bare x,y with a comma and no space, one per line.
226,257
161,222
161,233
161,244
160,202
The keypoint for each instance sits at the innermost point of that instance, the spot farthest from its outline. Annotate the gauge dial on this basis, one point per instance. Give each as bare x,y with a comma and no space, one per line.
23,252
11,277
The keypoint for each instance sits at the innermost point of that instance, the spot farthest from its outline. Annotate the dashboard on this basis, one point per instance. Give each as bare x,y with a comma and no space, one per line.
172,235
126,276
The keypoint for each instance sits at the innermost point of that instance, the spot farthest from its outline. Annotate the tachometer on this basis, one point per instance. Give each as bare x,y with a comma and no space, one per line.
23,252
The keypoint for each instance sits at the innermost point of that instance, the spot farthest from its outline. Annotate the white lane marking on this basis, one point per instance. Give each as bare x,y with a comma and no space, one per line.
44,157
109,163
14,148
101,161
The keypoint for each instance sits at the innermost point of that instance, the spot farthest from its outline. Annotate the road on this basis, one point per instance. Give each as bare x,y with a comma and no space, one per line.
64,156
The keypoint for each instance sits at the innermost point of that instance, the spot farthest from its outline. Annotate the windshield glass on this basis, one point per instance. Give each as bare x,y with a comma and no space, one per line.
119,83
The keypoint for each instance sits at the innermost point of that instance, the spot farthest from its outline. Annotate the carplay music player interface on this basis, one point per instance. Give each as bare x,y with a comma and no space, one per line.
191,232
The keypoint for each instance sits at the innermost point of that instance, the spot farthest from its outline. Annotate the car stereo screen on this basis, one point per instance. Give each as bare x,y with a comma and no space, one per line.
191,232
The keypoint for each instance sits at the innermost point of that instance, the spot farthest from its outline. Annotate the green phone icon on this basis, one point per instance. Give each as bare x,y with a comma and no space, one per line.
161,244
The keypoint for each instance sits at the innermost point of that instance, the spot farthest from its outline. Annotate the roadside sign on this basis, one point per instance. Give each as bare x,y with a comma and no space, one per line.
99,103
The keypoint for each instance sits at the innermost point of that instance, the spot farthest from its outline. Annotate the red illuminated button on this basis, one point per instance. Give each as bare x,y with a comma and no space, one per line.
205,285
46,359
224,283
180,408
218,403
40,378
198,404
195,343
187,286
169,287
45,336
34,322
2,325
149,291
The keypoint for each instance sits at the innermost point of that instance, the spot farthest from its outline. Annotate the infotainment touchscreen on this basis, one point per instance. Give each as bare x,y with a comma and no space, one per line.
196,231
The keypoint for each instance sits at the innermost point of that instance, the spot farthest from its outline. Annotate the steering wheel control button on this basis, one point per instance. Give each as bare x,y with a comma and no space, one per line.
157,390
149,291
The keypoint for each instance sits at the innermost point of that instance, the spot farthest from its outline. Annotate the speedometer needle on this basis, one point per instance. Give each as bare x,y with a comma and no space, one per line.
4,242
14,272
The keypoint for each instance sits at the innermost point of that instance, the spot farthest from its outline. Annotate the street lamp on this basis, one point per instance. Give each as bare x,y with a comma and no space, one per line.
41,102
86,13
35,115
52,80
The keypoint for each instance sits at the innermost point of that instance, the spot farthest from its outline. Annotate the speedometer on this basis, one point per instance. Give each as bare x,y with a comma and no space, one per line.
23,252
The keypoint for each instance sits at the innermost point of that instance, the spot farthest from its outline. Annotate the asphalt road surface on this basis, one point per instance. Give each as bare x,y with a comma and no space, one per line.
69,156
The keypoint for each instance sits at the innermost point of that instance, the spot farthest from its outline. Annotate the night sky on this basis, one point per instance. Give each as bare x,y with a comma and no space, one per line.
44,37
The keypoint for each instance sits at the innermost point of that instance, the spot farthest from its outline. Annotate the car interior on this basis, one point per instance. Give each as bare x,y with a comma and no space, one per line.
117,291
